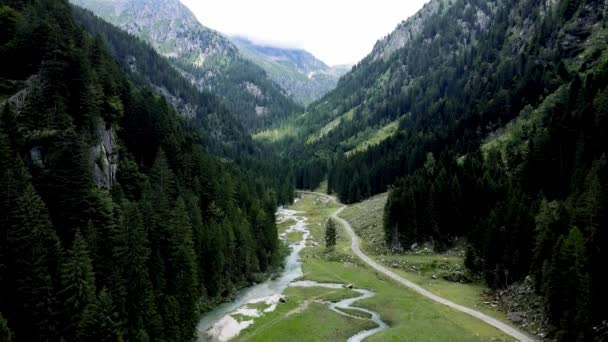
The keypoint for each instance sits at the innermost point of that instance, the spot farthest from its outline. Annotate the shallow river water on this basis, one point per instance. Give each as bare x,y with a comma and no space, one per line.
218,325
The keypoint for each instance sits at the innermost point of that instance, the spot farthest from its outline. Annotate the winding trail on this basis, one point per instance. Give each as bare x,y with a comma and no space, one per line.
507,329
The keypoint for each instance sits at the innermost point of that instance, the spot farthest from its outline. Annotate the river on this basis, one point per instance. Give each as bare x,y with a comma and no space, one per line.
292,270
219,325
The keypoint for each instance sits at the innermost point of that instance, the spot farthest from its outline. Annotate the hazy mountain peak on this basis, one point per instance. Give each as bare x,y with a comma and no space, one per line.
300,73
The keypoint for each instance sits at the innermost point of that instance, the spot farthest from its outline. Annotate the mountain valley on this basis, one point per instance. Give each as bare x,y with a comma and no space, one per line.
163,181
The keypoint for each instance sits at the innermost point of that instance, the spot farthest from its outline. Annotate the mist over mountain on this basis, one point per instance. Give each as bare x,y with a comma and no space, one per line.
301,74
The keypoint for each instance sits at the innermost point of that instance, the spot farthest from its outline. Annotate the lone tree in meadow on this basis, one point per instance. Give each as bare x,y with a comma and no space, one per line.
330,234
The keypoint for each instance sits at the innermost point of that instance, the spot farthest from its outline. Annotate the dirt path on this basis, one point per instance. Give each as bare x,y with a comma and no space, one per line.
355,247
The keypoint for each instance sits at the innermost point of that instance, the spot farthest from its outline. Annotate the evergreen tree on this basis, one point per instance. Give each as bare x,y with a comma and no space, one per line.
132,252
330,234
77,288
32,238
100,321
182,277
568,287
161,176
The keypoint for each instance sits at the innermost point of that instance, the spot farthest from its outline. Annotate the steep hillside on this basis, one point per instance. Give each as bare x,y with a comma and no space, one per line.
223,133
300,73
205,57
116,224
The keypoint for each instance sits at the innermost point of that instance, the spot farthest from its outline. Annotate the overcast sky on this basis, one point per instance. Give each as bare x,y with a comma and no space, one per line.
335,31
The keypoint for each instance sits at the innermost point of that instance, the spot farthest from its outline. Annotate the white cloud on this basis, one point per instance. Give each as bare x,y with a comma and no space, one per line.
336,31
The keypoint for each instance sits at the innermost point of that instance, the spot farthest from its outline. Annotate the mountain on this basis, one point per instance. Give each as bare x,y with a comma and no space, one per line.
301,74
223,133
117,224
205,57
484,120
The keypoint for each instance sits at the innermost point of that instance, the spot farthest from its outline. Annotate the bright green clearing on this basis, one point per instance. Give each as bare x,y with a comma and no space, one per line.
370,137
306,317
348,116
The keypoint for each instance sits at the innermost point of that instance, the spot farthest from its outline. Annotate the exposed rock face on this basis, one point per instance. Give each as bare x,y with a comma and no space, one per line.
17,101
410,29
253,90
105,158
188,110
167,25
406,31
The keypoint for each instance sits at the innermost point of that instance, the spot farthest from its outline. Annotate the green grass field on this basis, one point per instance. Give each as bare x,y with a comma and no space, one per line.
305,316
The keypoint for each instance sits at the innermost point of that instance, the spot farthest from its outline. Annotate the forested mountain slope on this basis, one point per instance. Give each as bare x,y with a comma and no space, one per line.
116,223
205,57
301,74
487,118
224,134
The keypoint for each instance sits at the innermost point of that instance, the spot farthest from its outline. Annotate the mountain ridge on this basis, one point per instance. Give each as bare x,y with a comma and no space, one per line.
204,56
300,73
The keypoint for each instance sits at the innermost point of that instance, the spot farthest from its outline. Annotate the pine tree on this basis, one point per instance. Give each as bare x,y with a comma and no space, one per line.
551,222
330,234
132,253
183,278
162,178
77,287
33,238
100,321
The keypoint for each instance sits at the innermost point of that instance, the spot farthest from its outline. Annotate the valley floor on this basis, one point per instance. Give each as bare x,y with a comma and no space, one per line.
306,315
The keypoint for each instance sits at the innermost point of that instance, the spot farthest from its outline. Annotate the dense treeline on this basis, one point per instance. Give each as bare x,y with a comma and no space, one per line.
535,204
116,224
533,200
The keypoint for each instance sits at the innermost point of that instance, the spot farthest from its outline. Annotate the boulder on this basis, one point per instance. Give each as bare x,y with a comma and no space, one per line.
349,286
282,300
457,277
516,317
